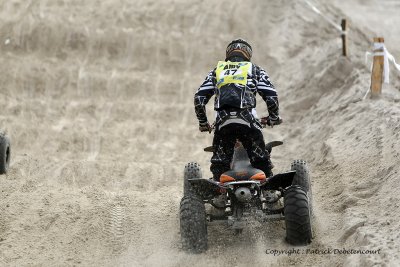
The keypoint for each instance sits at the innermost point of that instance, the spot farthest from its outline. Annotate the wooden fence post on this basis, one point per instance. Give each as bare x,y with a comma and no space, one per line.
344,37
377,70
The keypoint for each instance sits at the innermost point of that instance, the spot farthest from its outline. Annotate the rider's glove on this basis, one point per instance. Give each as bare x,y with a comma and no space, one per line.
205,127
271,121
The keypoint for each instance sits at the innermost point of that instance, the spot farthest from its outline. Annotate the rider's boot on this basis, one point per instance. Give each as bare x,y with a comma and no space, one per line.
269,168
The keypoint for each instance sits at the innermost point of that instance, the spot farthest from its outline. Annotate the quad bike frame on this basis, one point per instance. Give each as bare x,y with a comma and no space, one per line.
243,195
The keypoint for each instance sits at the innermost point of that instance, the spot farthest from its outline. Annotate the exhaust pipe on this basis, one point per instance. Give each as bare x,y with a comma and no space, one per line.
243,194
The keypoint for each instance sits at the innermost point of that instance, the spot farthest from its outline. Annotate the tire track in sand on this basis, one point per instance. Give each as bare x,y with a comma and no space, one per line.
116,226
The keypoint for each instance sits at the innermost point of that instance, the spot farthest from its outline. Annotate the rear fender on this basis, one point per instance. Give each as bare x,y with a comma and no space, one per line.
278,181
205,188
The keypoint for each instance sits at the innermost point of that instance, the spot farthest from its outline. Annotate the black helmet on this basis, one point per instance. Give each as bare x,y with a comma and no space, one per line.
239,48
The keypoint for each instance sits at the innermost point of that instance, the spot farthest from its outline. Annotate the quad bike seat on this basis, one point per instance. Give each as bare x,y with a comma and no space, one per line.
241,169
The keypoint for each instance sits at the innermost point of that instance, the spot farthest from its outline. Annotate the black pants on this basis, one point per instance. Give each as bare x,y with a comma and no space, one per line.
224,143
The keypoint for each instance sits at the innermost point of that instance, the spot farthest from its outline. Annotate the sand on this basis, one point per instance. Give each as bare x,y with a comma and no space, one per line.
97,99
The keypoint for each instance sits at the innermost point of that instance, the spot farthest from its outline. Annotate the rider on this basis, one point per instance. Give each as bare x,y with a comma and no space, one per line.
235,83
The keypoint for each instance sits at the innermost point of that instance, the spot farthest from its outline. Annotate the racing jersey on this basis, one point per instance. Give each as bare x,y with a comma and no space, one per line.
235,86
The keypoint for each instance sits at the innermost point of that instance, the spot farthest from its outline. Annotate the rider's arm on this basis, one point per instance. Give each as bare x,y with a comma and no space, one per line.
267,91
203,95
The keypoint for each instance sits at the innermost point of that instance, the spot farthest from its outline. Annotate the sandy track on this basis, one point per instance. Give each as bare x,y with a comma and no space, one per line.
97,100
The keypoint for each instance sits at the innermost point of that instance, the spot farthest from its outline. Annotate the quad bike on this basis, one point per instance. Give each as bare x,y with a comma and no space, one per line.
5,153
243,194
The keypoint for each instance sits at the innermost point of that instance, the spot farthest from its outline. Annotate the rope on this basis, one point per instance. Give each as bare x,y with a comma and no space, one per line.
316,10
381,50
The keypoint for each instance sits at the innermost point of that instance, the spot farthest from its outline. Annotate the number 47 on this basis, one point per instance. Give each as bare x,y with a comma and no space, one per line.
230,72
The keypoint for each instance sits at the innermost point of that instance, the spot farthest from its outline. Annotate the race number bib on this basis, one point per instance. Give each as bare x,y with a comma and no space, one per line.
232,72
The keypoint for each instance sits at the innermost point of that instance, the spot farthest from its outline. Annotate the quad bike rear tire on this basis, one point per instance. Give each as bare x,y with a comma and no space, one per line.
5,153
193,224
303,179
297,216
192,171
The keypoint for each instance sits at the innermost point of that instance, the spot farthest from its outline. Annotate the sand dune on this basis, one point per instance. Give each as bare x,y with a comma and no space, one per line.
96,97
